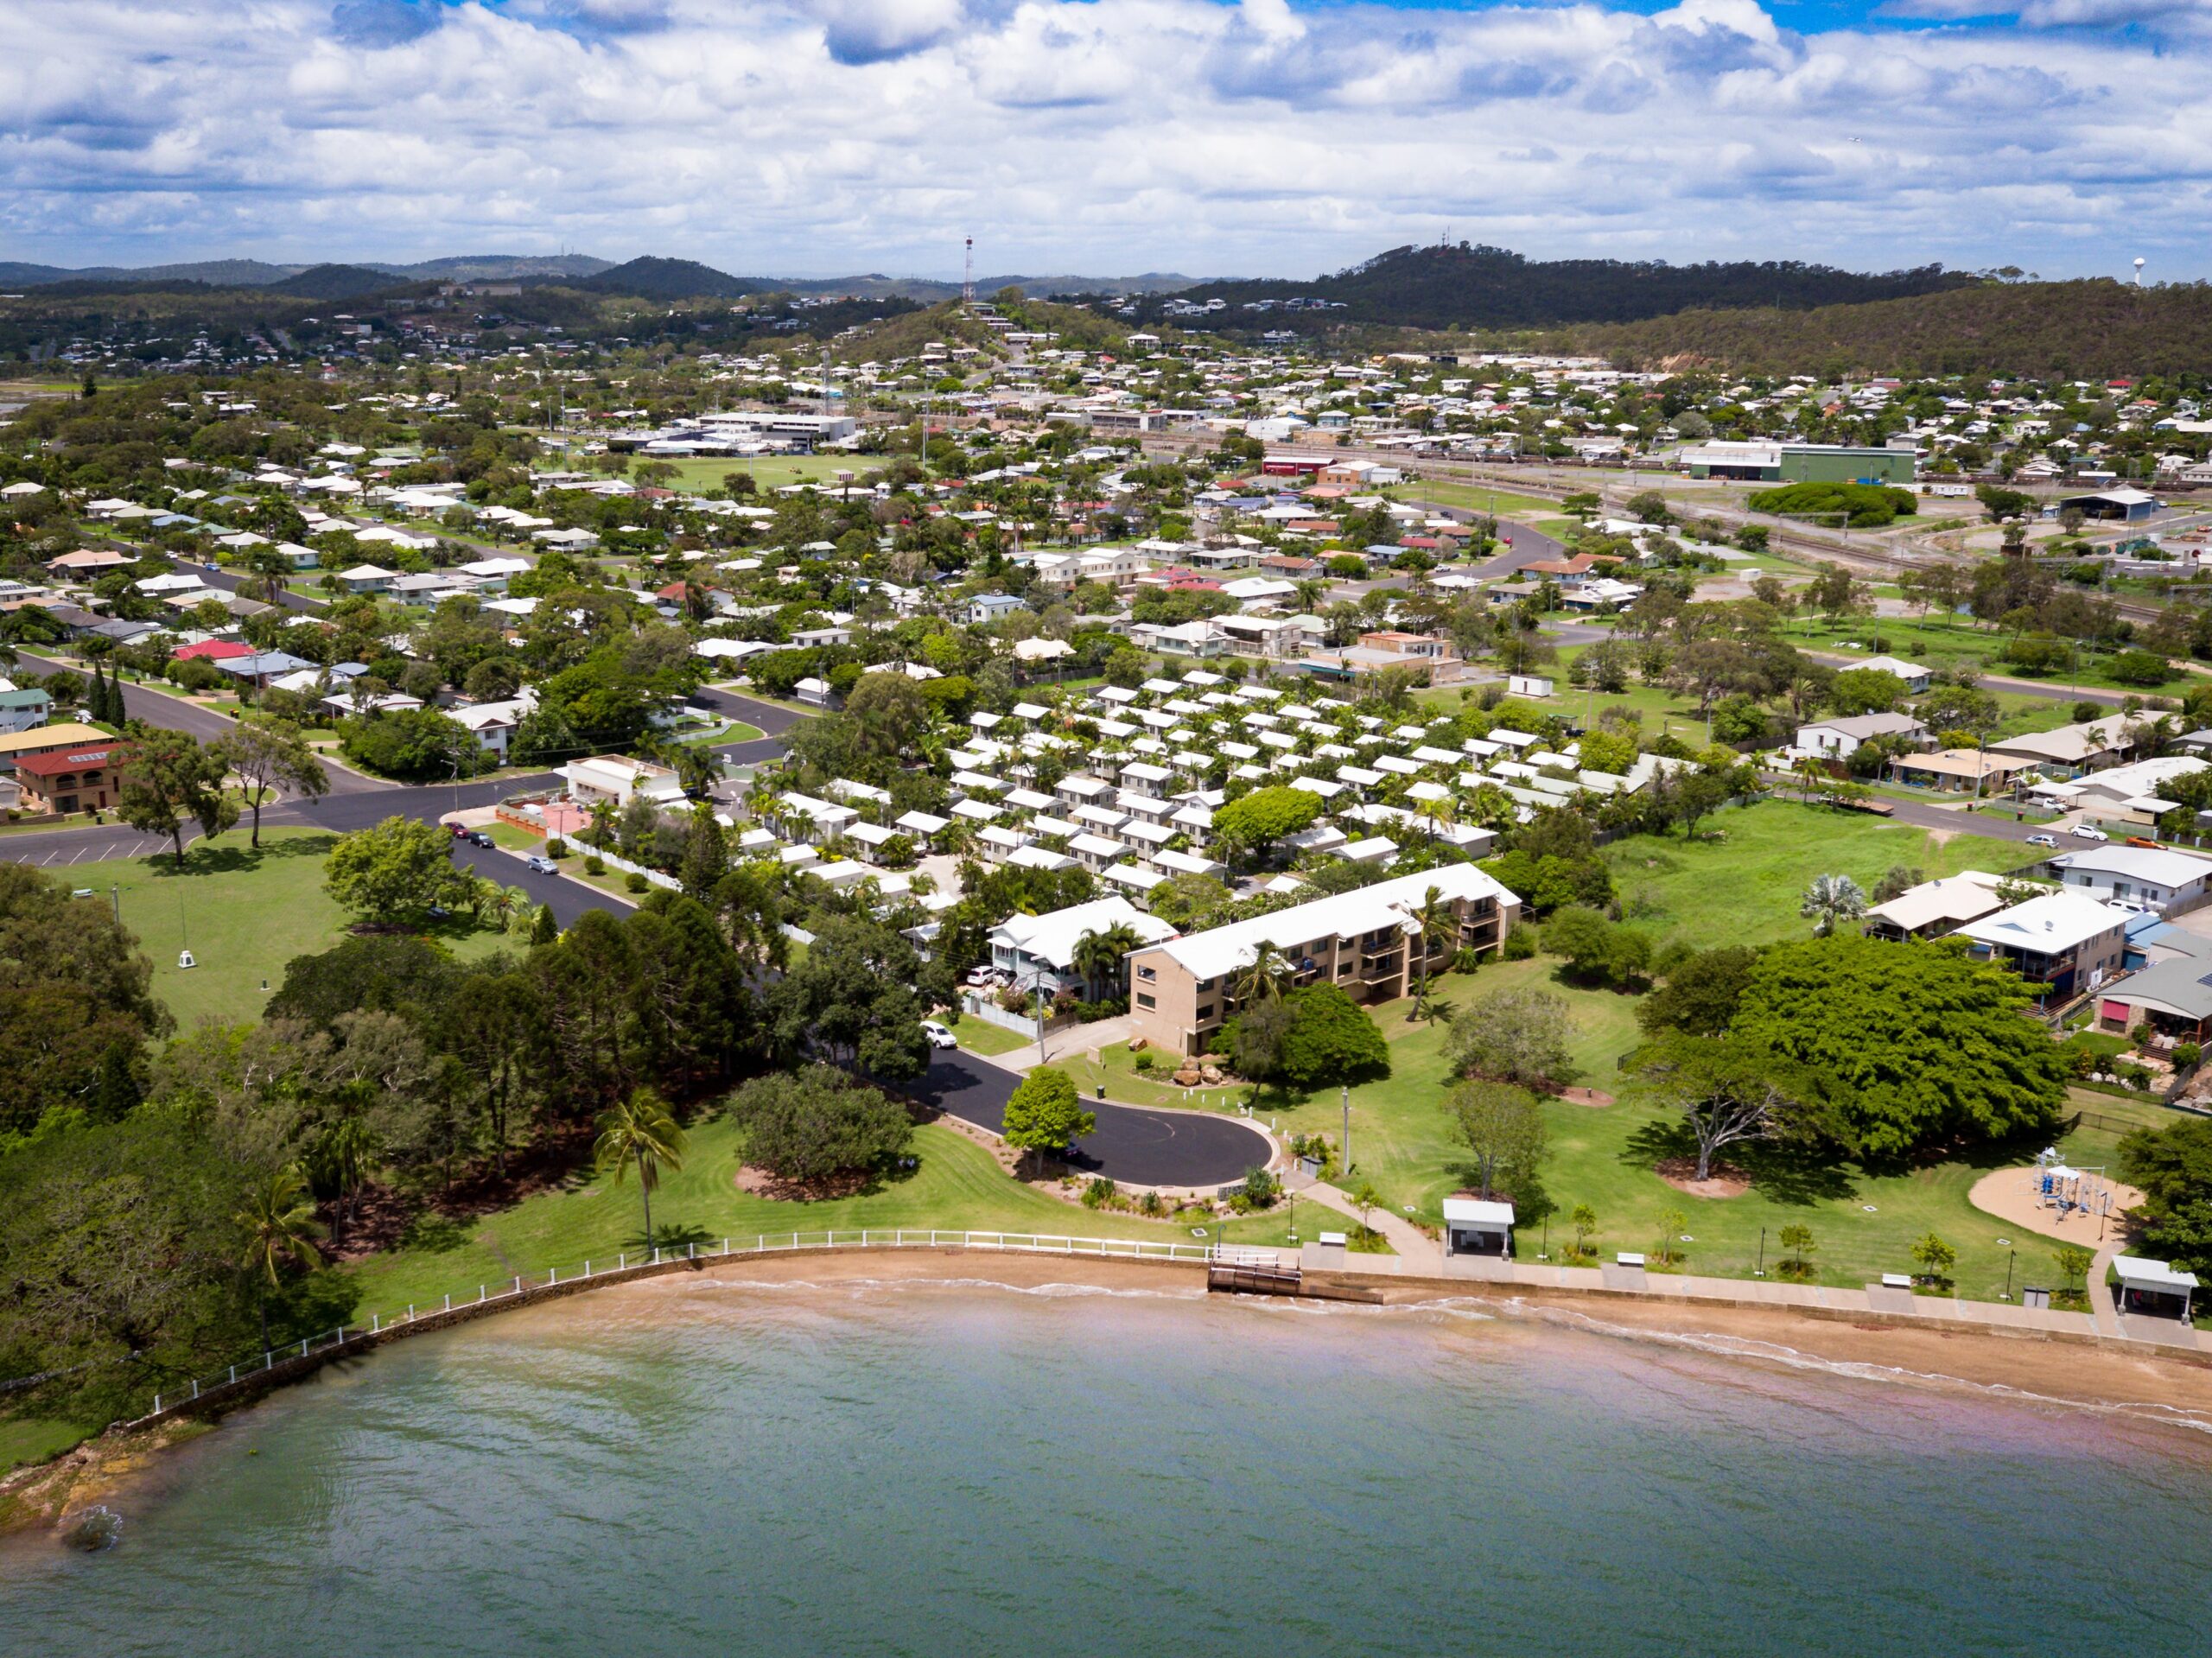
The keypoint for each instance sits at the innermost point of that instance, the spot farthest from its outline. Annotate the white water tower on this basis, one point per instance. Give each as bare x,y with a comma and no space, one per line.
2139,273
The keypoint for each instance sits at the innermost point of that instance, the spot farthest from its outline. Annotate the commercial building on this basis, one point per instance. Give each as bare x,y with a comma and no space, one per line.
1800,463
71,779
1183,991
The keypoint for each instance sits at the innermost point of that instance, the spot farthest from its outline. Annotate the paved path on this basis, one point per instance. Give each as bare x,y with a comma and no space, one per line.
1420,1252
1140,1145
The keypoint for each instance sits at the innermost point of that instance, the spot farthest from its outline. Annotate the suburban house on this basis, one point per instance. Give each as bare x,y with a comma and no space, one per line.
1936,906
1958,770
990,606
2088,747
24,710
1915,678
618,780
84,779
2132,793
1182,992
1379,652
2174,997
492,724
368,578
1041,949
1839,739
2166,881
15,746
2065,940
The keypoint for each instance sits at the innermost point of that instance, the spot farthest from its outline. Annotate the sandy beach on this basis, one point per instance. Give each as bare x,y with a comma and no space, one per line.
2141,1384
2064,1372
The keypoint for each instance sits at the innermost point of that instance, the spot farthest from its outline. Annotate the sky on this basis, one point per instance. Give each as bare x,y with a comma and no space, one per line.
1212,137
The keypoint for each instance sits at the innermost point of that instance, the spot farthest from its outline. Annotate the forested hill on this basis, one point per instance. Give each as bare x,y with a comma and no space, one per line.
1463,287
2069,330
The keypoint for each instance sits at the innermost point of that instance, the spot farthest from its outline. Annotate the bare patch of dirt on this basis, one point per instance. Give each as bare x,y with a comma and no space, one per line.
1680,1172
1596,1098
761,1182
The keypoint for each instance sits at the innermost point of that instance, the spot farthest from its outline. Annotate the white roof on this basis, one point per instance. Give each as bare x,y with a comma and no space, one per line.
1052,937
2047,925
2151,1274
1222,949
1475,1211
1966,896
2153,864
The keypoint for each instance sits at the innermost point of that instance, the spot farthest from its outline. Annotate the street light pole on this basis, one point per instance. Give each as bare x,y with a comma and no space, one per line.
1346,1091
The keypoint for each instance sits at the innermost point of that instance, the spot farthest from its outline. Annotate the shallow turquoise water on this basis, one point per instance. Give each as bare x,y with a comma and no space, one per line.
726,1469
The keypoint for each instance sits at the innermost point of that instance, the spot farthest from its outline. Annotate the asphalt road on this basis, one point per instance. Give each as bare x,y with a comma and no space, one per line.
232,582
1143,1147
143,702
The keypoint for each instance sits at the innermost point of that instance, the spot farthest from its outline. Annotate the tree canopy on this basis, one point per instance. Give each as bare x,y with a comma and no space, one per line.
1045,1113
809,1125
1912,1044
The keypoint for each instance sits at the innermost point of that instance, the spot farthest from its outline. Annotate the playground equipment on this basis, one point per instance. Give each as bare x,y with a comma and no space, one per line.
2069,1191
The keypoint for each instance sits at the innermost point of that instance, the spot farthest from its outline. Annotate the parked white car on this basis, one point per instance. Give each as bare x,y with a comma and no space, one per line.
2043,840
981,978
939,1037
543,866
2088,832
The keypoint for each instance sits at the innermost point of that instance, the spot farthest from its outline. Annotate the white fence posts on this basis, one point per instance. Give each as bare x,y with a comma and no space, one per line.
870,1238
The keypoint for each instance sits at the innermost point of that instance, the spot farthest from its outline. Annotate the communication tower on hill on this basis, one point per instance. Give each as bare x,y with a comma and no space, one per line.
968,274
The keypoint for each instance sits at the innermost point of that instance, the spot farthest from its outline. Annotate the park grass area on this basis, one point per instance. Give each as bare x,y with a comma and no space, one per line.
244,914
700,474
1956,643
730,730
957,1184
1742,884
1863,1221
1474,498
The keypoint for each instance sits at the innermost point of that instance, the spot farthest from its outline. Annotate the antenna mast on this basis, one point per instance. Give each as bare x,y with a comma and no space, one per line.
968,275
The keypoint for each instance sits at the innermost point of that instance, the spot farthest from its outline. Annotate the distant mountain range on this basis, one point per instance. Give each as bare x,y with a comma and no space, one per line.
649,277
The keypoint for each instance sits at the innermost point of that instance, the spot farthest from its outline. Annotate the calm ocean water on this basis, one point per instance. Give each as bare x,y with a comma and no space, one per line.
927,1470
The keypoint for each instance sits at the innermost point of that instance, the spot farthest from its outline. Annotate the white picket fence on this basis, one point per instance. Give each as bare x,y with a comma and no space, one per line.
526,1287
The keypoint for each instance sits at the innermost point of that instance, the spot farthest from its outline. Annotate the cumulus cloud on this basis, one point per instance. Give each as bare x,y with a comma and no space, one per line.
820,137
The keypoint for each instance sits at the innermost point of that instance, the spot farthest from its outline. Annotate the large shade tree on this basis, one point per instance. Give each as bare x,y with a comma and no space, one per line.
1911,1045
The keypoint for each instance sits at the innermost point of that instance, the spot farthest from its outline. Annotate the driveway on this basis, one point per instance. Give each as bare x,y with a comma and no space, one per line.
1143,1147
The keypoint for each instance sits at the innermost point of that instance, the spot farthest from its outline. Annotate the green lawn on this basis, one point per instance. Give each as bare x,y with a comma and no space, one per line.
1474,496
699,475
1744,887
956,1185
980,1035
244,913
1864,1222
34,1438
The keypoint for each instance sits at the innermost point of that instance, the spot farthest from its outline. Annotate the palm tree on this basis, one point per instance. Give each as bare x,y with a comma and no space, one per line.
280,1229
695,768
272,574
640,1130
1098,956
602,822
1262,980
1832,899
1436,812
1432,921
1309,593
341,1159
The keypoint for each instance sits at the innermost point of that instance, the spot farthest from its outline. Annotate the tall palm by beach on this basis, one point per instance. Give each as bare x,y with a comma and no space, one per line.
281,1230
640,1130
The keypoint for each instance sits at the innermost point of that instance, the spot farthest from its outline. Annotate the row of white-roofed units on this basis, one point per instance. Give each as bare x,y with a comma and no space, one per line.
1138,807
1272,736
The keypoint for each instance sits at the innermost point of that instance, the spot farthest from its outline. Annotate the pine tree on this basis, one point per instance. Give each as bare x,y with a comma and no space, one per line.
117,713
96,696
545,929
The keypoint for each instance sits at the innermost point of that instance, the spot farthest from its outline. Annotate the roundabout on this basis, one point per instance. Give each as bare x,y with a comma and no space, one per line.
1138,1146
